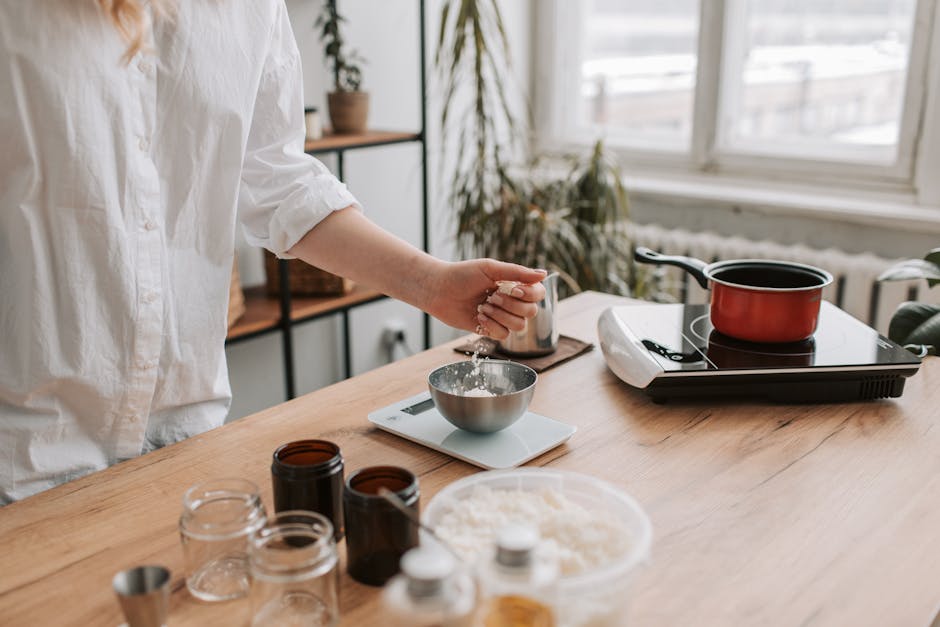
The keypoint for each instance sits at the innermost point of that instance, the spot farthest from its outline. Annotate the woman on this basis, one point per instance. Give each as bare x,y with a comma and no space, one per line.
132,134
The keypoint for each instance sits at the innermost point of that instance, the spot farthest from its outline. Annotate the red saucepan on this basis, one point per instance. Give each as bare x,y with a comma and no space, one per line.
755,300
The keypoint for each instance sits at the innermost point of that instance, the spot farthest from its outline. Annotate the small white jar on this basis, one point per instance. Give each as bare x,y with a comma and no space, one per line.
312,122
430,592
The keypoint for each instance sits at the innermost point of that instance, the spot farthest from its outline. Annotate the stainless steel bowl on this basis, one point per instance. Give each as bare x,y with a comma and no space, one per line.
512,383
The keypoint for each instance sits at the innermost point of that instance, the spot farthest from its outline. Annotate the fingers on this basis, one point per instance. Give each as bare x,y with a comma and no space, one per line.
502,271
517,290
528,293
489,327
504,318
513,305
512,298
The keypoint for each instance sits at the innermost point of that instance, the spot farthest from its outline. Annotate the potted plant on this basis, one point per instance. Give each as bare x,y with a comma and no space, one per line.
348,105
916,326
575,223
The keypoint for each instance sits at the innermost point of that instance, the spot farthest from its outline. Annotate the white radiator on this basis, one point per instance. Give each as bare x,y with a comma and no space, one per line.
855,289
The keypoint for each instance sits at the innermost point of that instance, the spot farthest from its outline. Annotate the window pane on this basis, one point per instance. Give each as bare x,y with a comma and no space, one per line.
638,69
817,78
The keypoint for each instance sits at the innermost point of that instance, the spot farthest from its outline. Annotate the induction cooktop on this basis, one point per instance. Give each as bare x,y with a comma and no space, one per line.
672,351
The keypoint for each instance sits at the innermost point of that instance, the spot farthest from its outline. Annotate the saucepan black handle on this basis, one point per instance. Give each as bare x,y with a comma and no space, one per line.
695,267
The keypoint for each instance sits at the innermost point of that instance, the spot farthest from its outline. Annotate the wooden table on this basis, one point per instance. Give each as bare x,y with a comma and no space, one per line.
762,514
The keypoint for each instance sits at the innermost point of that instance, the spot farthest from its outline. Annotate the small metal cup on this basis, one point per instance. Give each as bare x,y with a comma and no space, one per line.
540,336
144,594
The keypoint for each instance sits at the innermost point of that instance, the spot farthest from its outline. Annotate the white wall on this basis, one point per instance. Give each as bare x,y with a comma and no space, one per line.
386,180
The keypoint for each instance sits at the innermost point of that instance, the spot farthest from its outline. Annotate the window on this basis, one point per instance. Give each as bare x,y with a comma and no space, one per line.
637,72
804,89
813,78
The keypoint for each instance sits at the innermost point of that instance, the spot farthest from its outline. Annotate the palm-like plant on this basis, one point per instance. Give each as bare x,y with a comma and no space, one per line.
575,224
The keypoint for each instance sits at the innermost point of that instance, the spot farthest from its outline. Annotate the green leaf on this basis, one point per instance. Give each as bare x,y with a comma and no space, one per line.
445,12
912,269
933,257
916,323
346,75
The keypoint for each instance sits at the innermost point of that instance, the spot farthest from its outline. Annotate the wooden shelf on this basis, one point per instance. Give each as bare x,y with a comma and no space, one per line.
346,141
263,312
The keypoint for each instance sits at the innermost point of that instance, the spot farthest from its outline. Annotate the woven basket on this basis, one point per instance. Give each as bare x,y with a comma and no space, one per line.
304,279
236,297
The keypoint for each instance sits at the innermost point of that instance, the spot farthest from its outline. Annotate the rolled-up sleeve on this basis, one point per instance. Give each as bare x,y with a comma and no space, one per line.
284,192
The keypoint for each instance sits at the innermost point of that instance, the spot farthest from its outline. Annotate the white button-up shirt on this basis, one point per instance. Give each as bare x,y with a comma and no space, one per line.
119,184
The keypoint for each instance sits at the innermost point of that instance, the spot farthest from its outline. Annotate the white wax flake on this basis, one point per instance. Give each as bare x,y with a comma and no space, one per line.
581,539
480,392
506,287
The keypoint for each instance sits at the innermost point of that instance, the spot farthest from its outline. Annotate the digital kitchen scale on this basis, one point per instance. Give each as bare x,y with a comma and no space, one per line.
418,420
672,351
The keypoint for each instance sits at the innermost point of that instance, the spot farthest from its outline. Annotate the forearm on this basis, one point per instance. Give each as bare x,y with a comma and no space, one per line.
349,244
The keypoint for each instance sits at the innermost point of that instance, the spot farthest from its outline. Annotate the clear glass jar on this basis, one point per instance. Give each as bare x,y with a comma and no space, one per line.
430,592
294,572
219,517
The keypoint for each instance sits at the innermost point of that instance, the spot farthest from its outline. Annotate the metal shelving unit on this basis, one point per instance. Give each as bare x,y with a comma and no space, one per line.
265,314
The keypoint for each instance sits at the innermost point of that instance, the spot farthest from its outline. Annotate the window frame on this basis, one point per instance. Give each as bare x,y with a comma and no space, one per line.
910,178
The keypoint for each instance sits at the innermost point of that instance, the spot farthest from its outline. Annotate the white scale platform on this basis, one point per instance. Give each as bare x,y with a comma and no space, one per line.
418,420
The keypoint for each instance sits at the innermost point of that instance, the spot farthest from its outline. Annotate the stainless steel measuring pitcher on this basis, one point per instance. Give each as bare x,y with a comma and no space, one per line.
540,336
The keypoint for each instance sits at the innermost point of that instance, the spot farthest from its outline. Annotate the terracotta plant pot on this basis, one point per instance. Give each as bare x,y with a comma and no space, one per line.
349,111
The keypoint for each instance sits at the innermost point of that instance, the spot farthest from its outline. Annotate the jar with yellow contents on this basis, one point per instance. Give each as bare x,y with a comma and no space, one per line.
519,585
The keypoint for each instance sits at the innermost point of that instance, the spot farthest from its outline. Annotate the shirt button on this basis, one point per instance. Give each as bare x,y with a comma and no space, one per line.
144,144
149,297
150,225
146,68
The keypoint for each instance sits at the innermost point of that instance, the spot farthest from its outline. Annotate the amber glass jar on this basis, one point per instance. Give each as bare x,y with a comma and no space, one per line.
377,534
308,475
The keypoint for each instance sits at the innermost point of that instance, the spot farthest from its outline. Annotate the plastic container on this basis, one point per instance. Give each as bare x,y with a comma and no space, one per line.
595,598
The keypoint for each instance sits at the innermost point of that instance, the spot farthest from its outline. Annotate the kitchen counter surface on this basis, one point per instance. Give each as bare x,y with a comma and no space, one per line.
762,514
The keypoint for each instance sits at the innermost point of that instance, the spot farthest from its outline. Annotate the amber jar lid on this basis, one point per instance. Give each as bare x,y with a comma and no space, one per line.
306,459
362,487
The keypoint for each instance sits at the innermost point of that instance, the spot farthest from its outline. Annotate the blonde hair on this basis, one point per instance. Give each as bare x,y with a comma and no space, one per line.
130,19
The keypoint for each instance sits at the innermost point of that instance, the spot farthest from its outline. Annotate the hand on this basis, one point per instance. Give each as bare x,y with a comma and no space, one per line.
466,296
